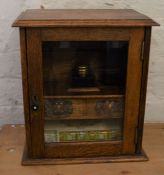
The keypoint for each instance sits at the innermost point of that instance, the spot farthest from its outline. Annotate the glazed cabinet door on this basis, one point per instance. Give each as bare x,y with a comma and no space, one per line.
84,89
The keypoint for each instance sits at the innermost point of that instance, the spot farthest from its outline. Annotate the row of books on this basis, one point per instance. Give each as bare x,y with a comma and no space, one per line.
77,136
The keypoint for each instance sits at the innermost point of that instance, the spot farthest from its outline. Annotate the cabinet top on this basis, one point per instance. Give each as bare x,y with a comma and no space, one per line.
82,18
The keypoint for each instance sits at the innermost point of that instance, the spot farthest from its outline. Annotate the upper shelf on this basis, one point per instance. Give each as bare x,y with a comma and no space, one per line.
83,18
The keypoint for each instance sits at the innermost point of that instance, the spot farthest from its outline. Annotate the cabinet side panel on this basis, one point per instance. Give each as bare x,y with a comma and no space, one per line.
25,88
34,55
147,42
133,84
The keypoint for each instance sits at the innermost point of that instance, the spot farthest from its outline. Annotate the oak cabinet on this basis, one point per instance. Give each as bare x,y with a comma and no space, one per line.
84,78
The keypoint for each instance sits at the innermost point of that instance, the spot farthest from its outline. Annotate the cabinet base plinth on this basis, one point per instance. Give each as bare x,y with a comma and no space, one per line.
105,159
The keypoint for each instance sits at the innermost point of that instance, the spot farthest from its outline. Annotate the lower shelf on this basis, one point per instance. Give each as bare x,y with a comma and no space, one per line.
108,159
83,130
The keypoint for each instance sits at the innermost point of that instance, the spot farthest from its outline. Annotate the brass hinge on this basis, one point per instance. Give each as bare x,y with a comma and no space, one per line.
136,136
142,51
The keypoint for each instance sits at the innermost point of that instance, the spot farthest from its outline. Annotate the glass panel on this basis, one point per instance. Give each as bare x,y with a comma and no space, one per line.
93,67
84,90
83,130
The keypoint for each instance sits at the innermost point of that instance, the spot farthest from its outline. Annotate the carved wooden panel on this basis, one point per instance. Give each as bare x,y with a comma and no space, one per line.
64,108
114,108
84,108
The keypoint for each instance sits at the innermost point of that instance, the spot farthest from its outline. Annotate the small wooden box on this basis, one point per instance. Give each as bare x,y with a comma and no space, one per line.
84,76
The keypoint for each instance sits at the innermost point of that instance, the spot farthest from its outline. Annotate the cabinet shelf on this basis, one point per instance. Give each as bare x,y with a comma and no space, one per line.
79,131
99,107
54,118
107,92
84,96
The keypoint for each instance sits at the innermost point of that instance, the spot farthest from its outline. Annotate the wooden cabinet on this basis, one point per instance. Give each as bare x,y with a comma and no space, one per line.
84,78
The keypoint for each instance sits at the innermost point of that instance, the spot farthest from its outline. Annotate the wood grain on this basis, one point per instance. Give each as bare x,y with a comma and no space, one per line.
85,34
87,160
86,109
133,84
85,17
147,41
13,137
83,149
24,64
36,91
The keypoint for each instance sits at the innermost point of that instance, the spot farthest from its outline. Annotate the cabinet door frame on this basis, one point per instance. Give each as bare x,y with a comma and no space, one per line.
34,63
34,39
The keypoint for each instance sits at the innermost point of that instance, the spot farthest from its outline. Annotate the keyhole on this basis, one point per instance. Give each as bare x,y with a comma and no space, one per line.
35,105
